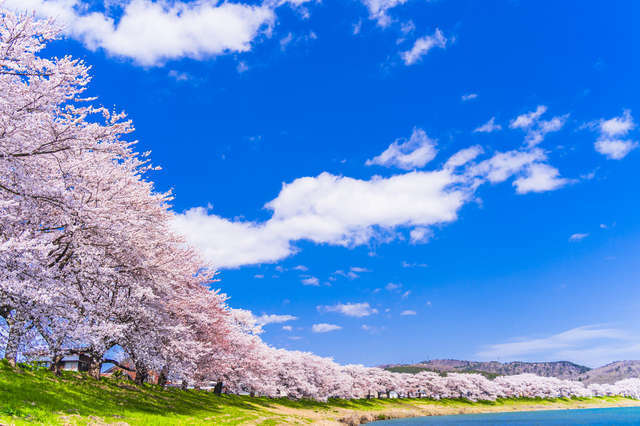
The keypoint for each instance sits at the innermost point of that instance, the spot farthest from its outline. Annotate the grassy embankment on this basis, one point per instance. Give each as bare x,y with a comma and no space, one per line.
38,397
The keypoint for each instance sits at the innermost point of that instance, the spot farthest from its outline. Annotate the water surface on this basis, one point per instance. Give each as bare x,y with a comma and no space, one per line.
595,416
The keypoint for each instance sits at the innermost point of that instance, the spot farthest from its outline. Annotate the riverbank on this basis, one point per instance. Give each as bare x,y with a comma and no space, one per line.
38,397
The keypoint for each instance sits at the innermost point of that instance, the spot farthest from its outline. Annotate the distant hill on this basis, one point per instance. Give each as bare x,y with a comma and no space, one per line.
560,369
611,373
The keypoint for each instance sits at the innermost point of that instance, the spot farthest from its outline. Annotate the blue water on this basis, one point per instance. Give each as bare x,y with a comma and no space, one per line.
597,416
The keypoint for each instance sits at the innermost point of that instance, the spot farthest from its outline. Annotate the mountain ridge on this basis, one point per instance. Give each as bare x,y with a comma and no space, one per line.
609,373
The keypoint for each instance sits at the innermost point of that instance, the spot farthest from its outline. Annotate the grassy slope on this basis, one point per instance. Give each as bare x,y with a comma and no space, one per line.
38,397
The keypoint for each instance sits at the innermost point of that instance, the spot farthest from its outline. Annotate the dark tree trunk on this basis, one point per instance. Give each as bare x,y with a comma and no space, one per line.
162,377
142,373
16,329
56,364
218,389
95,365
184,385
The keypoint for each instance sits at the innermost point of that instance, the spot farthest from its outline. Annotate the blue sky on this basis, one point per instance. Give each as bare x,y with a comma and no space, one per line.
528,251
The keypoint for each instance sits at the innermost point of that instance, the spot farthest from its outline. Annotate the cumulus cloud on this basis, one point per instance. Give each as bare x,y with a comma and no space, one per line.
408,312
503,165
592,345
409,154
422,46
420,235
274,319
537,129
312,281
539,178
615,149
152,32
358,310
324,328
610,142
287,328
463,157
328,209
469,96
488,127
378,9
525,121
617,126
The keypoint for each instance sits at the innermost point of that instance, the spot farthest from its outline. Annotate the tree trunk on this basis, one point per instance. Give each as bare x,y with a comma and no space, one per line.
218,389
16,328
162,378
56,364
142,373
95,365
184,385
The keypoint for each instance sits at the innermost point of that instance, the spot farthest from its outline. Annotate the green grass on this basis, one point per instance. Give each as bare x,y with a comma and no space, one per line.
36,396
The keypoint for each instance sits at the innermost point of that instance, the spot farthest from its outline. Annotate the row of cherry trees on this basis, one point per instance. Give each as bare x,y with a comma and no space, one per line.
88,260
87,256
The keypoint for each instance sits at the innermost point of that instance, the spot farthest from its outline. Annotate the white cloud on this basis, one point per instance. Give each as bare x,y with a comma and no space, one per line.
420,235
469,96
274,319
352,273
179,76
392,286
350,309
328,209
503,165
617,126
488,127
609,142
301,268
287,328
378,9
407,154
357,27
592,345
463,156
422,46
406,294
313,281
324,328
539,178
258,276
578,237
228,243
537,129
527,120
284,42
615,149
242,67
151,33
408,312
